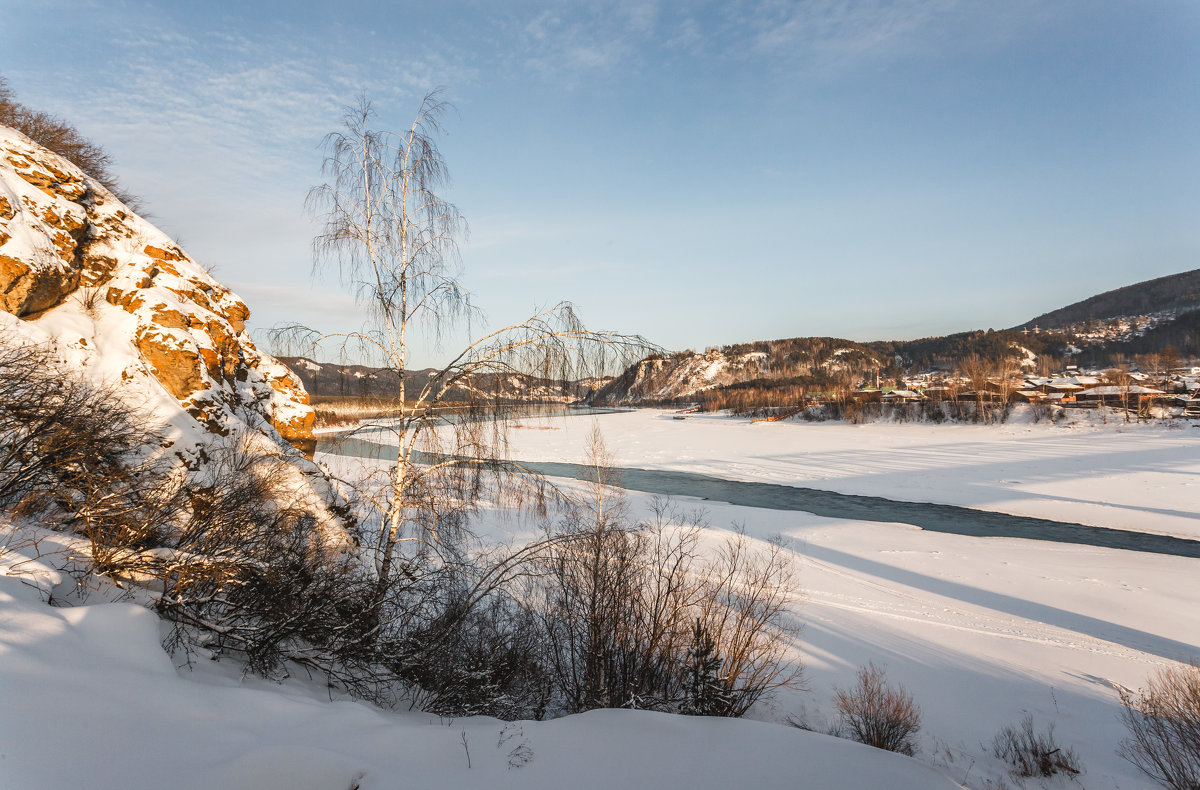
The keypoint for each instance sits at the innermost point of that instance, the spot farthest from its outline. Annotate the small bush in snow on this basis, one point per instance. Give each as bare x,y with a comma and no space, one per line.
877,714
1029,753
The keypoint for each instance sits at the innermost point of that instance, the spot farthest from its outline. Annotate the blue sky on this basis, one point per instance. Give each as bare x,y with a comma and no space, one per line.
701,173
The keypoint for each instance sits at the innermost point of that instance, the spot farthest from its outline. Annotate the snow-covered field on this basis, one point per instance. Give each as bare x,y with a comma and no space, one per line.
1143,477
981,630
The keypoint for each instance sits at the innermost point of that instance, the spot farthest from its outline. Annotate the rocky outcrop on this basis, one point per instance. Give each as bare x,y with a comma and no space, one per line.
118,295
660,379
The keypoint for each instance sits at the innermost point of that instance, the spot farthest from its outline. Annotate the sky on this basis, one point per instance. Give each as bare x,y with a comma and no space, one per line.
700,173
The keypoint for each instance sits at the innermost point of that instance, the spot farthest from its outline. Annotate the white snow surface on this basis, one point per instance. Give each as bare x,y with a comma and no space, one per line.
1142,477
980,630
91,700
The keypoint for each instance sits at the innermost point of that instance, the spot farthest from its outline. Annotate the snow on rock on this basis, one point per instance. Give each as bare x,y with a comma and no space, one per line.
1028,359
119,300
681,376
660,378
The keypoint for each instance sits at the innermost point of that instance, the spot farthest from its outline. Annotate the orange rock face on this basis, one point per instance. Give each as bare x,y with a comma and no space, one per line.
54,181
178,368
26,288
159,254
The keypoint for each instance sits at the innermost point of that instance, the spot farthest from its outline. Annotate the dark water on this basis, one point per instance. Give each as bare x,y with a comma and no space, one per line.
936,518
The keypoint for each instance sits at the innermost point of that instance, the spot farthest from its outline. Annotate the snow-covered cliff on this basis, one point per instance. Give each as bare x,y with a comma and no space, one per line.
119,301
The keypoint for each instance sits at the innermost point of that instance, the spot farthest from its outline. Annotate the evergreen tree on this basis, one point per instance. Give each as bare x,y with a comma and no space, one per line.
706,693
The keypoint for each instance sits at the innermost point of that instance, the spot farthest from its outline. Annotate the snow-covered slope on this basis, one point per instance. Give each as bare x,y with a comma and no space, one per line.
120,302
683,375
91,700
659,378
980,629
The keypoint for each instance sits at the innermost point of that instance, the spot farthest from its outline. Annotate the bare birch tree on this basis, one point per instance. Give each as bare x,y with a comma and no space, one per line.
395,239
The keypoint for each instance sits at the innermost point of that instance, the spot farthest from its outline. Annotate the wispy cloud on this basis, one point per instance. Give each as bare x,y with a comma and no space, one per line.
568,44
227,107
822,36
839,28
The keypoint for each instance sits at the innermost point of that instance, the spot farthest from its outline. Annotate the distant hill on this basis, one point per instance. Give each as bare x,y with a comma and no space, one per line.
362,381
1175,292
1142,318
810,363
1182,333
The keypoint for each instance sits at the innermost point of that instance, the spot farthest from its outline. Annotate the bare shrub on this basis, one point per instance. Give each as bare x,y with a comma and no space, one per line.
90,299
744,602
877,714
635,616
1163,720
486,663
247,570
1030,753
82,456
237,564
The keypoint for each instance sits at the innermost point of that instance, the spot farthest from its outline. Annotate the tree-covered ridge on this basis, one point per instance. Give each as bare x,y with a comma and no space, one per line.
1181,334
1173,292
950,350
790,356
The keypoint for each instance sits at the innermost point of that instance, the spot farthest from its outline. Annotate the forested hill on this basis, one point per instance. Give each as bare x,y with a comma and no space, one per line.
1177,292
948,351
324,379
